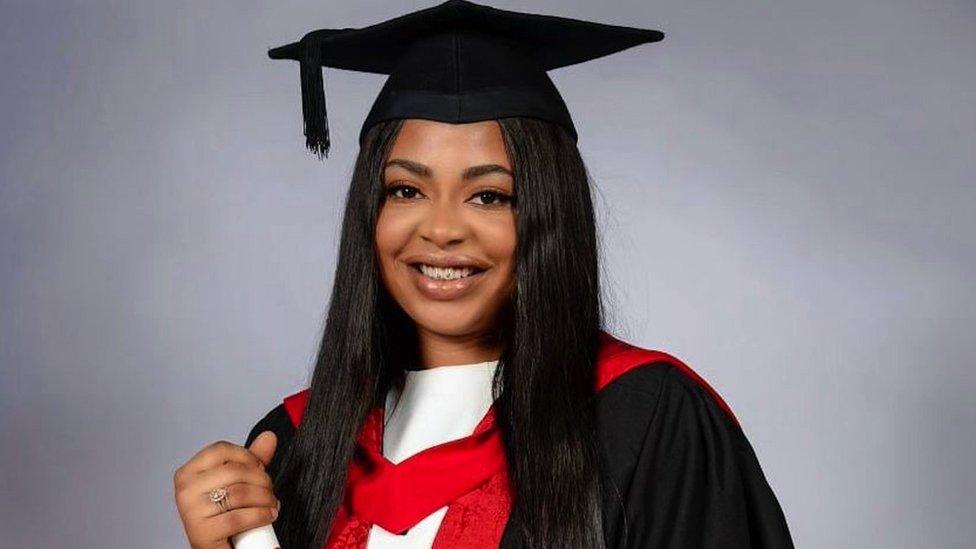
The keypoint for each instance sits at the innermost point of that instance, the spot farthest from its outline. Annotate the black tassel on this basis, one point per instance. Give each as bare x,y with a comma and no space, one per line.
313,99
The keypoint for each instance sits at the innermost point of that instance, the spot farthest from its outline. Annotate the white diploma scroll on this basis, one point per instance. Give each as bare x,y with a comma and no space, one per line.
262,537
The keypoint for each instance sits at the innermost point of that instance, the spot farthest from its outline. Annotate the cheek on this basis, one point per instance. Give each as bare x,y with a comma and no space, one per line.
391,235
499,244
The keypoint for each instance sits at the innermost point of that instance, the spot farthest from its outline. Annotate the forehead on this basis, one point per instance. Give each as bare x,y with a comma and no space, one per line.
432,141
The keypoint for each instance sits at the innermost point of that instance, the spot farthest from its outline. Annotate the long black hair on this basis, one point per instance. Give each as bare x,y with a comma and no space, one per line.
544,383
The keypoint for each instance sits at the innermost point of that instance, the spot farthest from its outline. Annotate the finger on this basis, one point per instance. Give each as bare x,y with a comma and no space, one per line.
231,473
222,476
234,522
263,446
218,453
239,496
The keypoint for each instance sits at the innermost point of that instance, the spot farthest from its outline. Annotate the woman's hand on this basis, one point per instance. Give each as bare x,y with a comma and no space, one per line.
251,500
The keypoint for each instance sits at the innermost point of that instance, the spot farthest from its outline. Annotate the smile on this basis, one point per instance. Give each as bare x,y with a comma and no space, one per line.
445,273
444,283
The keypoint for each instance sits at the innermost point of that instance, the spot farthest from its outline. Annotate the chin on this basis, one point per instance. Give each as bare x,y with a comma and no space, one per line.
448,325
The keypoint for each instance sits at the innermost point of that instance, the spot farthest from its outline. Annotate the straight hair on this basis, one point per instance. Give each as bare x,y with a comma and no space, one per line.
544,383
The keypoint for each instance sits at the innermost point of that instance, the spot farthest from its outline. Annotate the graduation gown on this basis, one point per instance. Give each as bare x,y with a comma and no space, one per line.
677,469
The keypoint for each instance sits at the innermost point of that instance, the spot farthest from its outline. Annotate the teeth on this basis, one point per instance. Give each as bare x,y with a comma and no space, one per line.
445,273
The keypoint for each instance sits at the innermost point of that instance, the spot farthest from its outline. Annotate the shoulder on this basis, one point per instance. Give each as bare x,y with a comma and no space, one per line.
652,406
651,377
656,388
679,463
657,408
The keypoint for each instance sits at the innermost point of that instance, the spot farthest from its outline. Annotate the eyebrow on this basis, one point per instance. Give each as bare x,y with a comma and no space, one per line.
472,172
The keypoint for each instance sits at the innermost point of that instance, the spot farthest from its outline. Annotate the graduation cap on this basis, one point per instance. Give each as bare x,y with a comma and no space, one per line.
456,62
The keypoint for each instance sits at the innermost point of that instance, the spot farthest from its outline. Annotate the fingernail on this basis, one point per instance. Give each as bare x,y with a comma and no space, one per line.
274,514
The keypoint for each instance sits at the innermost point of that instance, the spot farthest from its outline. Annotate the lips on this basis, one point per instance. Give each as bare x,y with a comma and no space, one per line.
444,290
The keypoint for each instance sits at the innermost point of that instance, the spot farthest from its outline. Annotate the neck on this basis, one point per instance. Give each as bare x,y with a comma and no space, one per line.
448,349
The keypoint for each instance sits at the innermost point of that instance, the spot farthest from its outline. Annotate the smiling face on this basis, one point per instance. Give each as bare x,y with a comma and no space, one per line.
445,235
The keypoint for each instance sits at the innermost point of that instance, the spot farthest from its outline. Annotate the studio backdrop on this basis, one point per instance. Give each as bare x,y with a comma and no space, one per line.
785,201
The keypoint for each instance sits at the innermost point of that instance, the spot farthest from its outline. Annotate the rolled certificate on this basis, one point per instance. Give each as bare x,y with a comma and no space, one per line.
262,537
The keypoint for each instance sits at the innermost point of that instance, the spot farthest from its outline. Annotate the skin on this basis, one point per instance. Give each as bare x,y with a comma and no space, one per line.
437,212
441,212
249,491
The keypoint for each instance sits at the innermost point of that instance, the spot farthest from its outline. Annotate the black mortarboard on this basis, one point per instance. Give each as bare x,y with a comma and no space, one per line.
455,62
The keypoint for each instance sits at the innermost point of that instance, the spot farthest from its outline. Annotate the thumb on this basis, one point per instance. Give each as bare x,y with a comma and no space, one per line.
263,446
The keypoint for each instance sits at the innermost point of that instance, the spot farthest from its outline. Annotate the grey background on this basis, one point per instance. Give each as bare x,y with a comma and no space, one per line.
785,199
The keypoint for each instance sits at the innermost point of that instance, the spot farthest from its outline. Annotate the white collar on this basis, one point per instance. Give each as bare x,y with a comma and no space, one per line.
437,405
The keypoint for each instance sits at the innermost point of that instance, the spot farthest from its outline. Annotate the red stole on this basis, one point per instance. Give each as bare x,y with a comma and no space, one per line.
468,474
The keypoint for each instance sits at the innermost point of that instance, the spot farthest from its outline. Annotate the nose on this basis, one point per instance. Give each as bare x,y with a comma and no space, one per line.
444,224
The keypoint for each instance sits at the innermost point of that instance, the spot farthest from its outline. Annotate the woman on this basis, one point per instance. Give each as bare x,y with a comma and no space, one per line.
464,393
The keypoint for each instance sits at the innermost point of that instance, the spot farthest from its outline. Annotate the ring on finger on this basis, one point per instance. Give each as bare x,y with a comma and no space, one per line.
220,497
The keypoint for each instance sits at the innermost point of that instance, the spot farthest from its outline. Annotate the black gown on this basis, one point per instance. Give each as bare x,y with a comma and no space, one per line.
684,472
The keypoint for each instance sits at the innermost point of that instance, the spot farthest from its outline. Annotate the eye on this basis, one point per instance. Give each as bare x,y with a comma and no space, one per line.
408,191
493,198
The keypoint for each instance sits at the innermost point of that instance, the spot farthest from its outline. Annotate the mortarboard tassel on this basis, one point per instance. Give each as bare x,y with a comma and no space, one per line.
313,99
